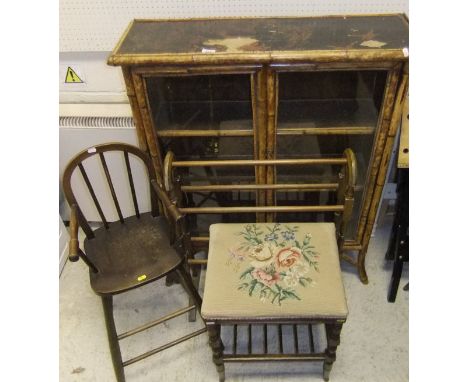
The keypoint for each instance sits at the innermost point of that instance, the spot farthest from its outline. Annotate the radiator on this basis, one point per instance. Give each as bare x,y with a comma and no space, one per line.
80,132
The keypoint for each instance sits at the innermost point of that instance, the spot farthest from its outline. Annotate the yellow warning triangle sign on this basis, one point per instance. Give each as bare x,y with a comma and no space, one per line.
72,77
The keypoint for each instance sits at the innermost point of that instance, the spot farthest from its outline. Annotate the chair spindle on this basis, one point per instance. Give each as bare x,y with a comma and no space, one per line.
132,186
111,187
93,195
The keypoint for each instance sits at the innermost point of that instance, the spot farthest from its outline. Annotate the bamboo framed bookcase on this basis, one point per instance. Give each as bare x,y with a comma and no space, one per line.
269,88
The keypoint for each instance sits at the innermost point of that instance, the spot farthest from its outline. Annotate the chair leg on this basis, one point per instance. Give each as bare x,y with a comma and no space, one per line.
217,347
333,340
187,283
107,304
196,282
170,279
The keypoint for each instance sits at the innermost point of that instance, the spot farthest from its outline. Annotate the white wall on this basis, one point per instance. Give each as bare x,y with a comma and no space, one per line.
90,25
102,83
74,140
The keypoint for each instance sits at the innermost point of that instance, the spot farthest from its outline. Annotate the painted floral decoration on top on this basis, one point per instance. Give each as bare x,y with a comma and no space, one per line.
278,261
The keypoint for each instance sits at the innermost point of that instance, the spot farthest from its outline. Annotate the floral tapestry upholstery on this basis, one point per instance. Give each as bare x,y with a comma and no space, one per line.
273,270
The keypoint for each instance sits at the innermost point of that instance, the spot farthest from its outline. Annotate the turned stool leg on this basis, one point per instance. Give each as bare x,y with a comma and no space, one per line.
112,336
333,340
217,347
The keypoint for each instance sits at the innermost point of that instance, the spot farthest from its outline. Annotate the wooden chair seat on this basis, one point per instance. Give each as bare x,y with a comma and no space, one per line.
274,271
130,254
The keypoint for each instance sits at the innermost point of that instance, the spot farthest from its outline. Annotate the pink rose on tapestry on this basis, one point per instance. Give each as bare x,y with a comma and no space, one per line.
265,278
287,257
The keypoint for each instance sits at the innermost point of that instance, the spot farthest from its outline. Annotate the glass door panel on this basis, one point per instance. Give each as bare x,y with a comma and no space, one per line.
330,99
204,102
320,114
206,117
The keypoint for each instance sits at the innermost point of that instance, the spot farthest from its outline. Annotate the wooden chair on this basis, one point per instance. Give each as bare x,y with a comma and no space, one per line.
132,251
270,274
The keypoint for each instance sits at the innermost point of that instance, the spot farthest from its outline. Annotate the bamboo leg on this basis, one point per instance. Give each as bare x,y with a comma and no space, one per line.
361,264
382,169
112,337
217,347
333,340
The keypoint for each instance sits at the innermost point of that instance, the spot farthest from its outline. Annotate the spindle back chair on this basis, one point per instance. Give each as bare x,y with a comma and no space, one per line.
132,251
293,268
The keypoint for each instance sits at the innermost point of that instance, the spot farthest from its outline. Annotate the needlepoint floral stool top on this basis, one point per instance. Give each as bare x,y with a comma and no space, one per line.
273,271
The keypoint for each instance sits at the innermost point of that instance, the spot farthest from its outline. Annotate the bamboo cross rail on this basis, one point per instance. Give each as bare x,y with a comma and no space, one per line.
344,188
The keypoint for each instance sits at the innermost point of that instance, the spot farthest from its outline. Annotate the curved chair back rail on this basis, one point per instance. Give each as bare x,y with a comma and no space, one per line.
344,187
77,162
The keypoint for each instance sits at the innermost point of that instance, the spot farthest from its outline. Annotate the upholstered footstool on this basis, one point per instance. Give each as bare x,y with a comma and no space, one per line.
268,274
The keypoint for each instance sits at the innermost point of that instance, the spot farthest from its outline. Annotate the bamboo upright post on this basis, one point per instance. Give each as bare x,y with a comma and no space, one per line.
148,125
272,80
380,183
140,130
261,137
383,123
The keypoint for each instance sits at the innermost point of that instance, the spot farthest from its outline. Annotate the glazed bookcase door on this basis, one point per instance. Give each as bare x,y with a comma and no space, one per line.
320,114
206,116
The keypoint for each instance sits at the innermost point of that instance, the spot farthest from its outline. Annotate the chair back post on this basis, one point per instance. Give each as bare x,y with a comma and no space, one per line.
346,184
172,180
178,232
71,199
172,184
